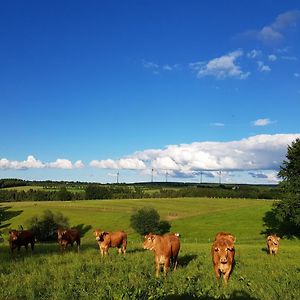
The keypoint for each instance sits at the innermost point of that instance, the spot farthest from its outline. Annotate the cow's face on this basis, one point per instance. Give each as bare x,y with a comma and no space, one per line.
13,235
60,233
274,239
149,241
223,252
100,235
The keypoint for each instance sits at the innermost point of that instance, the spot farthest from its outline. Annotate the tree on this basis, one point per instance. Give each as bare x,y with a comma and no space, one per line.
45,226
287,211
147,220
63,194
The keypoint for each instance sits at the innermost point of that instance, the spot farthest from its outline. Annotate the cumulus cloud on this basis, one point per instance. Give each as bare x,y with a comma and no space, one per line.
254,53
275,31
272,57
262,122
222,67
260,152
262,67
123,163
32,163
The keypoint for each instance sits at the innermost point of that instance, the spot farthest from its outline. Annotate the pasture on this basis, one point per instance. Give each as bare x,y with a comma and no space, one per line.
48,274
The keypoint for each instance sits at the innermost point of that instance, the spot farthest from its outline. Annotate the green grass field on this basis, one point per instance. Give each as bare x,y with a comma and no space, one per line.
48,274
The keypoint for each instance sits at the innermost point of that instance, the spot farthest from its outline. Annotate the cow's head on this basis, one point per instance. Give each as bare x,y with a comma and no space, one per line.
100,235
223,248
149,241
13,235
61,233
273,239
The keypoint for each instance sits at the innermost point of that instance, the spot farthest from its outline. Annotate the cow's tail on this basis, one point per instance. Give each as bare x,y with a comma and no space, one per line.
124,244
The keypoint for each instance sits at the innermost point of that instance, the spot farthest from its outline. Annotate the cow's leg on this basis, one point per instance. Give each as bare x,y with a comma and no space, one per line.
78,245
32,246
166,266
226,277
217,271
26,247
157,269
175,263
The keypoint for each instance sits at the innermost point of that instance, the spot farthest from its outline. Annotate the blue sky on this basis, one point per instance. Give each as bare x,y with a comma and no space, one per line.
90,89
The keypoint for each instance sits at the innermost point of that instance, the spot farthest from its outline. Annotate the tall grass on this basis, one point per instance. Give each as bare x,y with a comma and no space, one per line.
49,274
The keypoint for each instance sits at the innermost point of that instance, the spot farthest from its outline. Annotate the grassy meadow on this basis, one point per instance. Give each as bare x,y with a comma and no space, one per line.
48,274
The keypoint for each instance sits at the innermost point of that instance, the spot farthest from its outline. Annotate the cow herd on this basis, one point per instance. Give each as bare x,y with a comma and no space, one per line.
165,247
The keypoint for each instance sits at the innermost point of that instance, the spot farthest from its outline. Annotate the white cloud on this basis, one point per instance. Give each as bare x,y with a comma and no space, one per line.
262,122
275,32
260,152
272,57
217,124
33,163
222,67
262,67
123,163
296,74
254,53
286,57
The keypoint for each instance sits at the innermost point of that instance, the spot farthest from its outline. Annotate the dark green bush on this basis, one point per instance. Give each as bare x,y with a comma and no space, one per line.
44,227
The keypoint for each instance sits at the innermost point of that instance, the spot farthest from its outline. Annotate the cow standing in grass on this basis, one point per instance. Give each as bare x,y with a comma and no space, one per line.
223,252
68,237
273,244
19,238
106,240
166,249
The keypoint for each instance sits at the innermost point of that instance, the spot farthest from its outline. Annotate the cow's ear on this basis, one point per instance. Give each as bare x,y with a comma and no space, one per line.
216,249
278,238
9,232
230,249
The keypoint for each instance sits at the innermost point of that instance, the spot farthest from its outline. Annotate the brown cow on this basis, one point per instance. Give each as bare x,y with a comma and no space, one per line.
273,244
166,249
68,237
18,238
106,240
225,235
223,252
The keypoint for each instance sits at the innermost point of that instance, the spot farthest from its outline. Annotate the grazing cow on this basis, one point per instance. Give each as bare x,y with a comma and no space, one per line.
106,240
18,238
166,249
273,244
223,252
68,237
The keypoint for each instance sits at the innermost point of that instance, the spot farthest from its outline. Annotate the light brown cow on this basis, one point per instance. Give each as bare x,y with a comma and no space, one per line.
273,244
223,252
166,249
106,240
225,235
68,237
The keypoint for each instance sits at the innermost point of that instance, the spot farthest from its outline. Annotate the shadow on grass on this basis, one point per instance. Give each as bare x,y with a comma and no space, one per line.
6,214
265,249
281,228
183,261
236,295
135,250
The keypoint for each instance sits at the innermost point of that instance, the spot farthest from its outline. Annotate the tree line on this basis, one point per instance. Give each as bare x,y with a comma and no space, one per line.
98,191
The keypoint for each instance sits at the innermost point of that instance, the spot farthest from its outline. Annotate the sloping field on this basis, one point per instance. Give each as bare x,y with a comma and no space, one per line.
47,274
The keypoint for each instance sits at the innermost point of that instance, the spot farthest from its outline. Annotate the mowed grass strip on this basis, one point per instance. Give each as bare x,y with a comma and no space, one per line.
48,274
